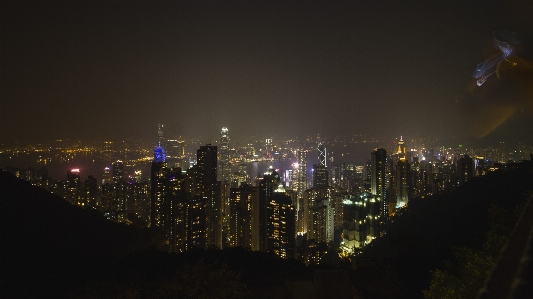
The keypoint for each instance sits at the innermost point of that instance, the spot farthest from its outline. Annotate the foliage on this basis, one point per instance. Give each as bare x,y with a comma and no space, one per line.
466,275
430,230
204,281
199,281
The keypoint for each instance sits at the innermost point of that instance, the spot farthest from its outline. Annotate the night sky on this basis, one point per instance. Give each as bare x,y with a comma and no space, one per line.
115,69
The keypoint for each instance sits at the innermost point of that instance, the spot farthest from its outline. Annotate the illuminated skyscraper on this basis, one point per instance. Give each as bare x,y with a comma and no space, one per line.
400,178
157,180
276,217
119,195
301,186
322,155
320,170
107,176
160,134
224,167
207,178
401,149
267,185
320,176
355,223
167,199
158,187
118,171
378,181
174,149
269,148
73,187
240,218
320,214
90,191
402,182
281,226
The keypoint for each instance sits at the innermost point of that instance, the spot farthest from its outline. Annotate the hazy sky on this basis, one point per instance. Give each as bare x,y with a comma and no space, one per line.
115,69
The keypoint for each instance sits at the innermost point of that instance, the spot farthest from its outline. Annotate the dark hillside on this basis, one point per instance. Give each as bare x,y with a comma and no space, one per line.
422,236
49,246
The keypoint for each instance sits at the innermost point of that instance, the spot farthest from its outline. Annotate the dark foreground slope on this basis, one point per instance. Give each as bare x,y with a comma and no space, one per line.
51,249
49,246
424,235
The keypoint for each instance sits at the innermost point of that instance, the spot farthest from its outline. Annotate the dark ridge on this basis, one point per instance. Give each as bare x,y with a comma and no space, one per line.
422,237
49,246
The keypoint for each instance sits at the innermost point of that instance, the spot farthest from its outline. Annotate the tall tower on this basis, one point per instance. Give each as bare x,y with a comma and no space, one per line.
402,153
224,167
207,170
160,134
321,154
402,176
378,181
402,182
320,170
276,217
302,170
242,225
301,186
157,186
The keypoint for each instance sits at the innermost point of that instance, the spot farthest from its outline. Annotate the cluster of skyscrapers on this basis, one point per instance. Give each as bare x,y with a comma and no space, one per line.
293,214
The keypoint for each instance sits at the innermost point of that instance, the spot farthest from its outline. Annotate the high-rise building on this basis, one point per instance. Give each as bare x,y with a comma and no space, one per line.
281,226
168,200
322,159
90,191
378,180
465,169
224,166
276,217
160,135
208,188
141,200
402,151
267,184
402,182
269,148
73,186
320,176
240,219
107,177
401,177
320,214
301,186
239,177
354,233
158,175
174,149
118,171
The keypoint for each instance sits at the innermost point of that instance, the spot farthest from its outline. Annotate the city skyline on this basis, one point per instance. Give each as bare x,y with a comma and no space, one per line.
113,71
334,214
